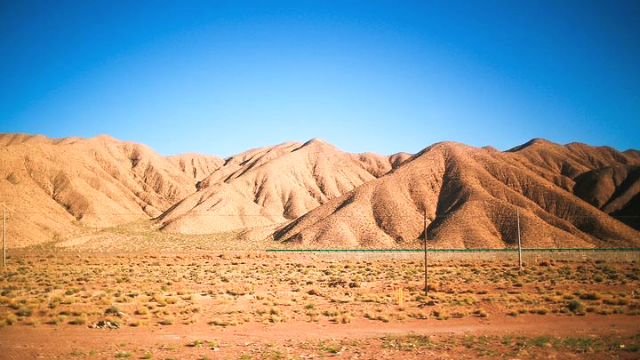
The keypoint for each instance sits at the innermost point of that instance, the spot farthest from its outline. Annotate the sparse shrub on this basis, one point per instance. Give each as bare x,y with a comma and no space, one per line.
418,315
591,296
196,343
314,291
332,312
123,354
78,321
274,310
441,314
541,311
342,319
141,311
24,312
240,290
56,320
576,307
112,310
480,313
10,319
220,322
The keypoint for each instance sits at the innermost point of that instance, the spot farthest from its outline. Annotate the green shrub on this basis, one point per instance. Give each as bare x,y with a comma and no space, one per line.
576,307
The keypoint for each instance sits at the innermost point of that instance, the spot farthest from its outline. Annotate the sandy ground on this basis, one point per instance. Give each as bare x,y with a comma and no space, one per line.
48,342
234,306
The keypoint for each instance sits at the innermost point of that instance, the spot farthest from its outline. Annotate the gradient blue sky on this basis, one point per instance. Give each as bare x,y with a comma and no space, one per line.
220,77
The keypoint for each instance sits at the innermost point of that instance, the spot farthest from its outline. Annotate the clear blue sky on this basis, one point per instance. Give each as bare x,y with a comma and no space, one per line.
221,77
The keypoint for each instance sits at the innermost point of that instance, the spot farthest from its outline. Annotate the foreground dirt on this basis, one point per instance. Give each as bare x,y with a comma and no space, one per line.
220,306
457,338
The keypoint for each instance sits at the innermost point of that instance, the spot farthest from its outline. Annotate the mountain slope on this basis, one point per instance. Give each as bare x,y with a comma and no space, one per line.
471,197
55,186
566,196
196,166
597,175
267,186
378,165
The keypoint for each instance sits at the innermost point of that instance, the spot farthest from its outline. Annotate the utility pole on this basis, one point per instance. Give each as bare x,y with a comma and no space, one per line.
4,236
519,243
426,259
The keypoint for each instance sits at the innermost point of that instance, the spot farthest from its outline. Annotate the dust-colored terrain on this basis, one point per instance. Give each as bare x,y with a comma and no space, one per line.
102,193
163,256
55,188
247,305
471,198
271,186
197,165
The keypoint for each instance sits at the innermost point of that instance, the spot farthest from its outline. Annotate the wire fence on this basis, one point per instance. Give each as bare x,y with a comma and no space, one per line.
551,250
529,256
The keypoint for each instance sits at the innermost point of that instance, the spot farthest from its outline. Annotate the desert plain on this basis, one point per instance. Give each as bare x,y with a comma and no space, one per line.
258,305
115,251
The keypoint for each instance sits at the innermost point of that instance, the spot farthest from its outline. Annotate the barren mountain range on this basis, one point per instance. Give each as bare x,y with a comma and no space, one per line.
316,195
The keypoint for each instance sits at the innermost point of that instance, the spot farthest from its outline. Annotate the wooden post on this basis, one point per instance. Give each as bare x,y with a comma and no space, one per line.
4,237
426,259
519,243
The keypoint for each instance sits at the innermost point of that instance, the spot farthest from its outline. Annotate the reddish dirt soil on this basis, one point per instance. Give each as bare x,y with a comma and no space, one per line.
42,342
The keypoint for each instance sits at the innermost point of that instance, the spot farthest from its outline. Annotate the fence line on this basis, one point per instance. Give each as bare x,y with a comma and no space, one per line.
530,255
460,250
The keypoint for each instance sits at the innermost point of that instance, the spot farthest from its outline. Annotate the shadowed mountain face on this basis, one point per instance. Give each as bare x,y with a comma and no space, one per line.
601,176
471,198
313,193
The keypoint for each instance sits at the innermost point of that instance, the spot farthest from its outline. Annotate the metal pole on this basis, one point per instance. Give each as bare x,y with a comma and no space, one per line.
519,243
426,259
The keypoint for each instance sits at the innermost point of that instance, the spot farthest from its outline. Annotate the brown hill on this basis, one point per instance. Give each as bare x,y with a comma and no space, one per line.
614,190
471,197
272,185
602,176
66,188
53,187
552,160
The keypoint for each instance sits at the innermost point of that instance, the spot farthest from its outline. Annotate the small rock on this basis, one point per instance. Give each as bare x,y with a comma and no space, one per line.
104,324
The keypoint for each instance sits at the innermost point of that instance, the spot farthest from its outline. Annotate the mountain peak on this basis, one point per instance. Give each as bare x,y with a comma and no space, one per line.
532,142
315,141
